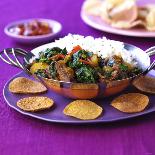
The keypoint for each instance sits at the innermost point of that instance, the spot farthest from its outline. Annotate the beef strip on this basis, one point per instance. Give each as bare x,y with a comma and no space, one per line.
62,70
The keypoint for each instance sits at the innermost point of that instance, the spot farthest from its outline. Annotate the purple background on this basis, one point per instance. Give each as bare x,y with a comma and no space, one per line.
24,135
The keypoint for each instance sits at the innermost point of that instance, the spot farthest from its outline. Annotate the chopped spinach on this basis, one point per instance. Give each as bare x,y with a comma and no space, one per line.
45,60
41,73
86,74
42,58
54,51
75,63
136,70
107,75
84,66
64,51
82,54
123,67
52,70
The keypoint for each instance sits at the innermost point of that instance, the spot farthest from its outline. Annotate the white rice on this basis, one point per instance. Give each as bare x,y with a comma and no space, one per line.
101,46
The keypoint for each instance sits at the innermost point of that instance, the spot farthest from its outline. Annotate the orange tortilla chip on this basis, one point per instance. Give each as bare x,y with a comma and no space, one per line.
131,102
34,104
145,84
83,109
23,85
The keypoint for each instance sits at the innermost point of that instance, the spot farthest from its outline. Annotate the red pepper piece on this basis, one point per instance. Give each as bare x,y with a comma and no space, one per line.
75,49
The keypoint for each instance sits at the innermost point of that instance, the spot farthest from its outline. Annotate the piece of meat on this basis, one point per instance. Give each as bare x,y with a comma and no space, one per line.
63,72
114,75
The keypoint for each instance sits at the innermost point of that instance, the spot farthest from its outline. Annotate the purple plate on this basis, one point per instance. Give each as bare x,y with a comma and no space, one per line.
99,24
55,114
55,25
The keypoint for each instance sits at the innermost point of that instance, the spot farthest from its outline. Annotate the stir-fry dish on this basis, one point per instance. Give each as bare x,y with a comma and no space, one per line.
82,66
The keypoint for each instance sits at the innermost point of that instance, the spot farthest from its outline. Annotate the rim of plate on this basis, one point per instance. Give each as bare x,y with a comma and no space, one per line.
107,28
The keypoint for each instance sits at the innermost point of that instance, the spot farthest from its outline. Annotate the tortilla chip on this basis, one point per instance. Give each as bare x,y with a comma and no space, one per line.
92,7
83,109
115,3
150,20
131,102
34,104
23,85
122,15
145,84
147,15
125,12
104,13
127,25
142,13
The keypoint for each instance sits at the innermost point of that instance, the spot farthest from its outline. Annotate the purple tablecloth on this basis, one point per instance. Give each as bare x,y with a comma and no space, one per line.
24,135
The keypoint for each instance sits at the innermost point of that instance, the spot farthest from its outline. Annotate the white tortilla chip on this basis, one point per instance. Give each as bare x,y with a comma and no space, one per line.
104,14
122,15
114,3
150,19
142,13
92,7
126,11
128,25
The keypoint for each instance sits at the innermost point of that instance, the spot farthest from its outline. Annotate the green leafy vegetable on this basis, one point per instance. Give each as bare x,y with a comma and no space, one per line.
86,74
64,51
42,58
82,54
75,63
52,70
123,67
107,75
85,65
41,73
54,51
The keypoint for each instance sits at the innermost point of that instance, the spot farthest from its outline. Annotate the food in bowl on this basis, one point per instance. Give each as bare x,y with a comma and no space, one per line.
31,28
136,61
87,60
